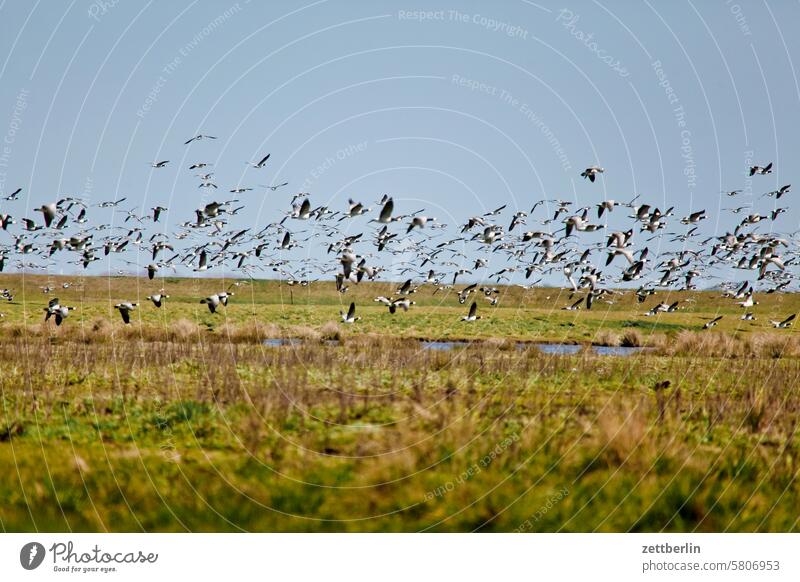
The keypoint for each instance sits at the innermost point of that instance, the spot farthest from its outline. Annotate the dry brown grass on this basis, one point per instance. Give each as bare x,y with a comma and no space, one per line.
607,337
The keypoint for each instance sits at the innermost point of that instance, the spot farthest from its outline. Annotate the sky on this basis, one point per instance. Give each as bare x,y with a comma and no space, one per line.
455,107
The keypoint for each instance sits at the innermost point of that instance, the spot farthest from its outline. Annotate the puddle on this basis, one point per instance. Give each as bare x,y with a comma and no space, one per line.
446,346
559,348
443,346
281,341
568,349
617,350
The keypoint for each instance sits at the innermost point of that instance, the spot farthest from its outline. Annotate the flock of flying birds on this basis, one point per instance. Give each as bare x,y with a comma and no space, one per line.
553,238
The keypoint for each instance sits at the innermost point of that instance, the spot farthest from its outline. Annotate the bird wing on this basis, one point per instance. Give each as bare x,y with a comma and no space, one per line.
386,212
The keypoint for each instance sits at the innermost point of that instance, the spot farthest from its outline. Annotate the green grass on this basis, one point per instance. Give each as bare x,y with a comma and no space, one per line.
105,428
528,315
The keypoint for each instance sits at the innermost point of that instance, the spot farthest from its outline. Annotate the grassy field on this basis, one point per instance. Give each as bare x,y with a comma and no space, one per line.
283,311
185,421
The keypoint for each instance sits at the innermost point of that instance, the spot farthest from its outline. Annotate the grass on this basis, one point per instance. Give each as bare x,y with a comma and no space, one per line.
283,311
188,423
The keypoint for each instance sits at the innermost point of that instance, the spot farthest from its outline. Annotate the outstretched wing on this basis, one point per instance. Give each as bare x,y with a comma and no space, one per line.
386,212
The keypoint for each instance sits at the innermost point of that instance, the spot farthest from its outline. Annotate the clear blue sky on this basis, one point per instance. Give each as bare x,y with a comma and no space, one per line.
478,104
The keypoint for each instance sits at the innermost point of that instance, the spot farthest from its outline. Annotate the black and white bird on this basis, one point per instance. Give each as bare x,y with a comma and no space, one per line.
350,316
125,309
592,172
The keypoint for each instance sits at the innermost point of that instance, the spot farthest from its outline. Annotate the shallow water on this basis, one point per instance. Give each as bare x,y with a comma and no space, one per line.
277,342
446,346
443,346
558,349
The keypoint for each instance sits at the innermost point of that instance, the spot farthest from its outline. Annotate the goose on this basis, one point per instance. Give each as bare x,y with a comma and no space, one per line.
161,164
13,196
157,210
464,294
777,212
387,301
350,316
404,304
655,310
473,313
619,251
151,270
49,211
203,262
198,138
406,288
158,298
694,217
6,220
517,219
712,322
496,211
761,170
748,317
355,209
432,278
212,301
419,221
224,296
785,323
606,205
125,309
111,203
160,246
575,306
748,302
54,308
385,217
276,186
260,163
473,222
591,173
30,225
301,211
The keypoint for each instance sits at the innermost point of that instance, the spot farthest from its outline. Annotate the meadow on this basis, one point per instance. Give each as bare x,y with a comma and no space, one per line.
186,421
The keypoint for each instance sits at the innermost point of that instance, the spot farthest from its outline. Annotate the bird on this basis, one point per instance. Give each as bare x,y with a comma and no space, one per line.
158,298
157,210
350,316
212,302
260,163
49,212
712,322
125,309
419,221
785,323
473,313
591,172
385,216
60,312
198,138
761,170
404,304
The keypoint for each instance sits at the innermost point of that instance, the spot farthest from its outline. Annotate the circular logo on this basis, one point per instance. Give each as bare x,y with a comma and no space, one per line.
31,555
